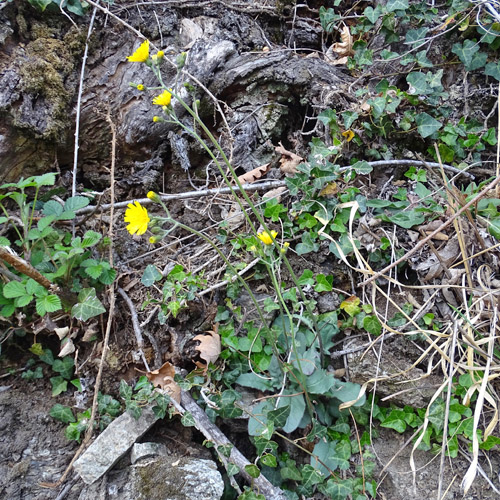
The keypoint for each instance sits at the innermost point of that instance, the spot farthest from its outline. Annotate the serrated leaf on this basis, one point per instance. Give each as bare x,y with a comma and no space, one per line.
14,289
88,305
108,276
52,207
151,275
94,271
4,242
62,413
426,124
49,303
48,179
23,301
90,238
75,203
44,222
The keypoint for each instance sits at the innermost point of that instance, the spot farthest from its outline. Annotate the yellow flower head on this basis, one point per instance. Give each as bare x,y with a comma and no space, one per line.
156,119
348,134
137,217
140,86
265,237
153,239
154,196
141,54
163,99
160,54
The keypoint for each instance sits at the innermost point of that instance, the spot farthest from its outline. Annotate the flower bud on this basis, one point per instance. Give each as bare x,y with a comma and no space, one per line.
154,197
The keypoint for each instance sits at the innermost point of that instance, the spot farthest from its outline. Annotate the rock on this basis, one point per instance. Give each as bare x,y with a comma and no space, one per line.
112,444
146,450
409,385
162,478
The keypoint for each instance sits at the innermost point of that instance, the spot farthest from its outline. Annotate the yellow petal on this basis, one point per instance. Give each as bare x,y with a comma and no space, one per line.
141,54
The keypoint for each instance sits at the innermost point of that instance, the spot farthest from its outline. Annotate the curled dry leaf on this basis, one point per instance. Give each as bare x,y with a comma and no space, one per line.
62,332
67,347
164,379
255,174
274,193
90,332
289,161
343,49
209,347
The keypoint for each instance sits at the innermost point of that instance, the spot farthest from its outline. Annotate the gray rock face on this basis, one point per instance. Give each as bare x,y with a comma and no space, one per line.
140,451
162,478
112,444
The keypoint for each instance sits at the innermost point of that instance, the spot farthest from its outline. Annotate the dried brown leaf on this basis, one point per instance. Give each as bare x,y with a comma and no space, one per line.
274,193
255,174
67,347
164,379
344,48
289,161
209,348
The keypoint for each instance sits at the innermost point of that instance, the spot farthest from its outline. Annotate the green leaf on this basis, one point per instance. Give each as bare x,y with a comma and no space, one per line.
337,489
52,207
45,222
64,367
187,420
347,391
324,283
125,390
290,471
23,301
362,167
493,69
49,303
279,416
151,275
393,5
75,203
88,305
372,325
306,278
90,238
469,55
94,271
426,124
268,460
418,83
14,289
252,470
297,409
307,245
395,420
62,413
48,179
349,118
34,288
490,442
324,457
311,476
232,469
320,382
59,385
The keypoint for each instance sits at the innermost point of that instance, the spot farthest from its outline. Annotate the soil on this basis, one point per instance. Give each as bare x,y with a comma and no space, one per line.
262,63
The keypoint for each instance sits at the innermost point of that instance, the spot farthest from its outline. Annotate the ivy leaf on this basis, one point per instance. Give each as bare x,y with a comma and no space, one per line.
405,219
418,83
324,283
372,325
59,385
426,124
395,420
468,54
64,367
88,305
493,69
62,413
337,489
187,420
393,5
252,470
325,453
311,476
151,275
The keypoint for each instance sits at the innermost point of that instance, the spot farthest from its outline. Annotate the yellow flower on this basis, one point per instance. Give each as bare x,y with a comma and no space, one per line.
163,99
156,119
137,217
141,54
153,239
160,54
348,134
285,247
153,196
265,237
140,86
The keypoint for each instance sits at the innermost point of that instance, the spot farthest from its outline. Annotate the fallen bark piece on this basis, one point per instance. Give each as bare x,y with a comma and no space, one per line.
112,444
